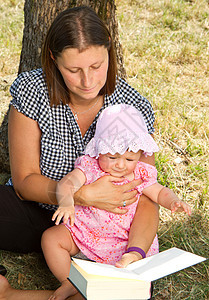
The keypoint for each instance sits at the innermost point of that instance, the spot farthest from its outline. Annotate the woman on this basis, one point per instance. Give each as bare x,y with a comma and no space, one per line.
52,117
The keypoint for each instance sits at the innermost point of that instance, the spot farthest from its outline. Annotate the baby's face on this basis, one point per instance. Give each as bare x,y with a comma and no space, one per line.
119,165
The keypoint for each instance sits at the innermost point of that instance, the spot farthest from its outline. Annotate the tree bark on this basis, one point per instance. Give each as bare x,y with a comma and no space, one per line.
4,149
39,15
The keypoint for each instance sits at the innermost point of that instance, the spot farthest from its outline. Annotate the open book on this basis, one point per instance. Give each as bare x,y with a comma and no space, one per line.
96,281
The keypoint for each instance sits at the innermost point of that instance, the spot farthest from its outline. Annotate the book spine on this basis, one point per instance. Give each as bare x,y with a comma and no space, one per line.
77,289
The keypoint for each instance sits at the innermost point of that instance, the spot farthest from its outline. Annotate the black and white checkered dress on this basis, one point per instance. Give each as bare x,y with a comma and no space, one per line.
61,139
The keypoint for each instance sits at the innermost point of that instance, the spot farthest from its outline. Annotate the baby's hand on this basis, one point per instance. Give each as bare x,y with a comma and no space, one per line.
65,213
179,206
127,259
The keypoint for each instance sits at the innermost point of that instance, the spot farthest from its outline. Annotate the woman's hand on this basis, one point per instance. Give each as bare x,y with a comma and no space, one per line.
104,194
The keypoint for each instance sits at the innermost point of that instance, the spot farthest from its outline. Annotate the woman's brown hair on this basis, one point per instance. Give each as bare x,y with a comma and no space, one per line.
79,28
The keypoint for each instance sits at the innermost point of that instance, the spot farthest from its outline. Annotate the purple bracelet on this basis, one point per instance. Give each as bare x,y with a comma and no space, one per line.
136,249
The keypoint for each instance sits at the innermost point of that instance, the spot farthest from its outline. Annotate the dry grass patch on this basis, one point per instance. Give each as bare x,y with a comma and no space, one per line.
11,24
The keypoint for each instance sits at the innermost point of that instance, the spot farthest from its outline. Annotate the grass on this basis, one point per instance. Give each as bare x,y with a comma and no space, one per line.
11,28
166,48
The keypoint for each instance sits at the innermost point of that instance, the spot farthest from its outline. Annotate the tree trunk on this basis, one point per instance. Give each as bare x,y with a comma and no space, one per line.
38,17
4,151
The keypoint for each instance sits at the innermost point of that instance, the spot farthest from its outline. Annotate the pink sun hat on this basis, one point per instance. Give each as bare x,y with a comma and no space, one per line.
121,128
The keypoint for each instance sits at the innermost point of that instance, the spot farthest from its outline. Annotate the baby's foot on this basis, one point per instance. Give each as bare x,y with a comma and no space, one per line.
63,292
5,288
127,259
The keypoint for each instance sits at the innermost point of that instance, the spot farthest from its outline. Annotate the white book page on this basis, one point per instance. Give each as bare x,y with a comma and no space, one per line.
148,269
104,269
164,263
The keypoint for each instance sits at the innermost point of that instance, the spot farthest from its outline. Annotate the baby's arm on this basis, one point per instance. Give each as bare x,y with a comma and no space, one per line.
166,198
65,190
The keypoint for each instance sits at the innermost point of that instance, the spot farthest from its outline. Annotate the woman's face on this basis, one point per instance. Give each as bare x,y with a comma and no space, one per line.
84,73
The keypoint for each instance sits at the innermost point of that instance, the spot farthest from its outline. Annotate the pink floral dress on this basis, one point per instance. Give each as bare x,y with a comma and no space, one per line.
100,235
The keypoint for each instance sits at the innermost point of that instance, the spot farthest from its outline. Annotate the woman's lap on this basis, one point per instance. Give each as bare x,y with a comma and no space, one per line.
21,222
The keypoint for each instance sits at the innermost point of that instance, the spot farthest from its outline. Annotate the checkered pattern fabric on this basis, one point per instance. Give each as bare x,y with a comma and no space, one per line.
61,139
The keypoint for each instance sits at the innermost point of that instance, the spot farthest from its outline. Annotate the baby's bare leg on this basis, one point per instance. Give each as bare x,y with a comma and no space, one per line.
58,245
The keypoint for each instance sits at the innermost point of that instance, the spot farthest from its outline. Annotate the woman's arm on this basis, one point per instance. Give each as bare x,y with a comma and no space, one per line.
143,230
24,148
148,159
